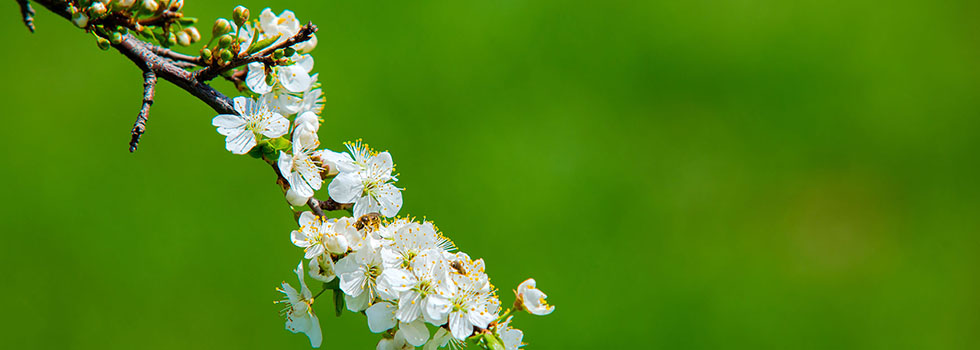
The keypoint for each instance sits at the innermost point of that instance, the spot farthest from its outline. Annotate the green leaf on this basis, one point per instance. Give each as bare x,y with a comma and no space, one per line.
338,302
493,341
261,44
280,144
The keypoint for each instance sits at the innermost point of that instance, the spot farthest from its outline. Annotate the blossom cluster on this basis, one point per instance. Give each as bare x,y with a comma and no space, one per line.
408,278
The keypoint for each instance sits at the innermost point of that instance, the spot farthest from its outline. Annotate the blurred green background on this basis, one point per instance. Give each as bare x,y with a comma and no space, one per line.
676,175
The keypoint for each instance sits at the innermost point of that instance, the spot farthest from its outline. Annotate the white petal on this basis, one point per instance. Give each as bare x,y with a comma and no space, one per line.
345,188
381,317
436,309
285,163
240,143
294,78
365,205
299,239
305,62
296,199
389,199
315,334
227,122
460,326
409,306
276,126
415,332
358,303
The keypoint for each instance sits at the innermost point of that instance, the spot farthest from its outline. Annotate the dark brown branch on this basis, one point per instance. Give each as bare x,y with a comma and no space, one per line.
331,205
28,13
305,33
149,86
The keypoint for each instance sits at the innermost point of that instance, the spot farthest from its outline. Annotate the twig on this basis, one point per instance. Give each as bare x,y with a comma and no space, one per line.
304,34
331,205
149,86
28,12
176,56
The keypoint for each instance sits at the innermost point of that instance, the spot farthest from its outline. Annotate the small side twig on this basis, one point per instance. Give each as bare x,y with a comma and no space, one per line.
149,87
28,12
173,55
208,73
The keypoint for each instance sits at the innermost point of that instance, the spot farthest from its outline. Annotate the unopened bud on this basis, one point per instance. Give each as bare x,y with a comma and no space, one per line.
240,15
151,5
176,5
221,27
289,52
194,34
97,10
171,39
270,79
115,38
278,54
205,54
224,41
225,55
102,42
80,19
183,39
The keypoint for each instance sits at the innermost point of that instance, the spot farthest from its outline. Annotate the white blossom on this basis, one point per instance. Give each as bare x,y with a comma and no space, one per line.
254,119
533,299
358,273
287,26
299,314
365,179
302,173
322,268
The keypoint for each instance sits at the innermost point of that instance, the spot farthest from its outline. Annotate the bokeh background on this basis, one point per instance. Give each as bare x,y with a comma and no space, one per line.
675,174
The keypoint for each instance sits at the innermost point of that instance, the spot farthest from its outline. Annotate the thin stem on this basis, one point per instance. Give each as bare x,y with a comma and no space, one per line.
305,33
28,13
149,88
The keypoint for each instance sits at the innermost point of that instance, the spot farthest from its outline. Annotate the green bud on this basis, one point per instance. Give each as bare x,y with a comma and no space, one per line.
102,42
171,39
493,342
115,38
278,54
187,20
80,19
97,10
205,54
151,6
123,30
261,44
221,27
225,55
240,15
122,4
183,39
289,52
270,79
224,41
193,33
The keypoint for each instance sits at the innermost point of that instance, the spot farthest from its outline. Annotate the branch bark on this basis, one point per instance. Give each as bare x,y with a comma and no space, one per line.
149,87
304,34
28,13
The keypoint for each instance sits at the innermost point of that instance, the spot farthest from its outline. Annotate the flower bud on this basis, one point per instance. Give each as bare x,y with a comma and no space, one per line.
80,19
205,54
151,6
193,33
225,55
221,27
278,54
176,5
102,42
183,39
289,52
240,15
224,41
97,9
171,39
115,38
295,199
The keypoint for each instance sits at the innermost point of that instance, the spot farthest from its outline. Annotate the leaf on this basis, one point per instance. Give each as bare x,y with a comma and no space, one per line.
338,302
261,44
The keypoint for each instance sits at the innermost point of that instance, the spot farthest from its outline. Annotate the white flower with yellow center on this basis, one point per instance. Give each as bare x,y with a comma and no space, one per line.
365,179
288,83
286,25
299,309
425,291
318,235
358,273
299,169
254,118
471,306
532,299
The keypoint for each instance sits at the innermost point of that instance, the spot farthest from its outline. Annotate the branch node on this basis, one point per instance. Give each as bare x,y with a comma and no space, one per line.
149,87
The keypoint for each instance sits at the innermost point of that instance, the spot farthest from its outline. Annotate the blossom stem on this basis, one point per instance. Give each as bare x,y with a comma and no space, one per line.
28,12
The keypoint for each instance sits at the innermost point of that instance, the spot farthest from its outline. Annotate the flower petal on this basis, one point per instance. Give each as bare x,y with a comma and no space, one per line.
381,317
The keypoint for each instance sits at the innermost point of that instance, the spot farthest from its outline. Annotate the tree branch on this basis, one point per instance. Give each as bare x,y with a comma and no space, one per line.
28,13
149,86
305,33
173,55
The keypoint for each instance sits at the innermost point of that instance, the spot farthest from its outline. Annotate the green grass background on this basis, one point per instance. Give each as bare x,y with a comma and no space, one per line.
675,174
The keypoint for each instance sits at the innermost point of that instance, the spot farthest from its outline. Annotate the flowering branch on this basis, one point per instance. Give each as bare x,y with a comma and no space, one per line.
404,275
305,33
